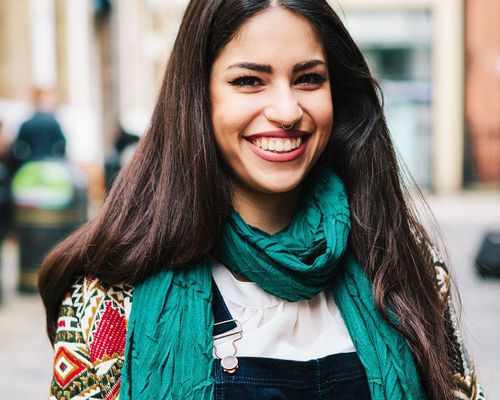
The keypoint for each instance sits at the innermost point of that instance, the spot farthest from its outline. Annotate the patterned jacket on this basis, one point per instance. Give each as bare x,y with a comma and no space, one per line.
92,325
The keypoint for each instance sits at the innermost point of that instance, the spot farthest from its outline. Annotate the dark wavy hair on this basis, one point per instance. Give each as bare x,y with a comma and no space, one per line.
167,208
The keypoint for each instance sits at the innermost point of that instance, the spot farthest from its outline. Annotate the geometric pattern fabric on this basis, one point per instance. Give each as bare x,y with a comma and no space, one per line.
66,367
90,341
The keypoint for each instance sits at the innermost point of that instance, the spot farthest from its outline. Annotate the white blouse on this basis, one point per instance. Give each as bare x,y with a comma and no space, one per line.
276,328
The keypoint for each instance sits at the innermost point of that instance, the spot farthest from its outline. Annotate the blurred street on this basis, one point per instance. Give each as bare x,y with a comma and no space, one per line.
25,351
26,355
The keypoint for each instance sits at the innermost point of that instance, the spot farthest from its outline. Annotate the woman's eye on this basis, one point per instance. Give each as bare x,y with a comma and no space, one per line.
311,80
252,81
246,81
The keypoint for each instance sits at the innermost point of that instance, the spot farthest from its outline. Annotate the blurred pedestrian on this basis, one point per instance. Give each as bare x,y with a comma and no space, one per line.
5,202
5,191
40,136
121,152
259,244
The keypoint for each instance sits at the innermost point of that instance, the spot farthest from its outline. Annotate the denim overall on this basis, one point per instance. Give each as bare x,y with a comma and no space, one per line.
334,377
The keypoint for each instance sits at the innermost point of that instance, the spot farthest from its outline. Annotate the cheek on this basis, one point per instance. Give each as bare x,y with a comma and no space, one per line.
230,120
327,111
226,116
325,117
220,119
226,135
225,126
322,114
319,107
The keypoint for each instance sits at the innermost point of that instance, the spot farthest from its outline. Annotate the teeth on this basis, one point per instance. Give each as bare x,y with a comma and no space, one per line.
278,145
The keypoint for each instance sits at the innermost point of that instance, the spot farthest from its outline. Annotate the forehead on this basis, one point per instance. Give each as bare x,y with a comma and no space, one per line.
274,36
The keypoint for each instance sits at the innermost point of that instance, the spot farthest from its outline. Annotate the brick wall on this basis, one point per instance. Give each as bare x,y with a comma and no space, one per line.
482,23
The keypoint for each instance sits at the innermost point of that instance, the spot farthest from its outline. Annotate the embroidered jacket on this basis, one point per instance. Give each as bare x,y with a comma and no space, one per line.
92,325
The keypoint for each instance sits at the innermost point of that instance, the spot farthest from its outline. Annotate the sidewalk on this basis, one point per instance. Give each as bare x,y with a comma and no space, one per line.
25,351
26,355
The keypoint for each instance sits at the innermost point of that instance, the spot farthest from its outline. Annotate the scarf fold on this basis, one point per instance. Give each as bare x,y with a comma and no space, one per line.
168,353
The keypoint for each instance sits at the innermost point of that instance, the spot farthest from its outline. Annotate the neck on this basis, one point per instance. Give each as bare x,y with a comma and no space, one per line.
269,212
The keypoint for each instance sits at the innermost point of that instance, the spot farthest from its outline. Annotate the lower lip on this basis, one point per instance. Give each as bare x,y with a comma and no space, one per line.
279,157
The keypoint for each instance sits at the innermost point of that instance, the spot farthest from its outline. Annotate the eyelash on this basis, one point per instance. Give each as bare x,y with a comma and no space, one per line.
243,80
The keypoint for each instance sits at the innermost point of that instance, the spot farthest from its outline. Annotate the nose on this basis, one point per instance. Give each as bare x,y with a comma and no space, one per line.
283,107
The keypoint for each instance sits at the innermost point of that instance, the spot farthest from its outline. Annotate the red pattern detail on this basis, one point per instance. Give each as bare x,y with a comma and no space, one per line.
61,323
114,391
110,334
64,356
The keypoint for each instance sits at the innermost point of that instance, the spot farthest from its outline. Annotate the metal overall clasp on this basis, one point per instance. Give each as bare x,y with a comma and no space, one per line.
229,363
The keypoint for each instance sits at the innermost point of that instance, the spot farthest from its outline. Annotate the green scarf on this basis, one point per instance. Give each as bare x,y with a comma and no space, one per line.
169,341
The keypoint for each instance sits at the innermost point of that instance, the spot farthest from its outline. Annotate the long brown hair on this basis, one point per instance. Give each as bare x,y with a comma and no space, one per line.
167,208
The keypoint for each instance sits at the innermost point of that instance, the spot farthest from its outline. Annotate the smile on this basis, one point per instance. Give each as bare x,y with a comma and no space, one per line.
279,146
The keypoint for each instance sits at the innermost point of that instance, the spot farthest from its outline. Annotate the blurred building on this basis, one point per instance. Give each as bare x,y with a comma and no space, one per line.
482,49
46,43
104,59
439,63
107,57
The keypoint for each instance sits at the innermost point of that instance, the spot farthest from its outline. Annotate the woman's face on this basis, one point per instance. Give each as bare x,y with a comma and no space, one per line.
273,73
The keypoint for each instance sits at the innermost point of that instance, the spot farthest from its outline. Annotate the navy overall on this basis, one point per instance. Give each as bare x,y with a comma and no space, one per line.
334,377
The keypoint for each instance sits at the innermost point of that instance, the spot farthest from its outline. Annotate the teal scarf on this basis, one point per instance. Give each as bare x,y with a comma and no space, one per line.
169,341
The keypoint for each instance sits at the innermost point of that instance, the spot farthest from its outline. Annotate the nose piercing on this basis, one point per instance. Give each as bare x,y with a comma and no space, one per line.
287,127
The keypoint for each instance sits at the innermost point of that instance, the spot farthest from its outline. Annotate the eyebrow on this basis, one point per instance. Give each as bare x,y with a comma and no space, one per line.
303,66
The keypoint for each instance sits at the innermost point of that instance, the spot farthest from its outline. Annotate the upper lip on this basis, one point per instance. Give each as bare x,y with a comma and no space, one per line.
280,133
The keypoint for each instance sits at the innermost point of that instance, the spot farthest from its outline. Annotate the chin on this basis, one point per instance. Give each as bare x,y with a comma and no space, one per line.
278,182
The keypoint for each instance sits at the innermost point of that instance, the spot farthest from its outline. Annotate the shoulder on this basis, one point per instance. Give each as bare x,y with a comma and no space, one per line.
443,281
102,312
96,303
466,385
90,339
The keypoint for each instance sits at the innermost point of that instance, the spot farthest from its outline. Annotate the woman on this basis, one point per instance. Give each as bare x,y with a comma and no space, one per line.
259,244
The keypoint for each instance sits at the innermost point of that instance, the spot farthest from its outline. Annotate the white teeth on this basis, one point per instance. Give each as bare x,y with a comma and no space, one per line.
288,145
296,143
278,145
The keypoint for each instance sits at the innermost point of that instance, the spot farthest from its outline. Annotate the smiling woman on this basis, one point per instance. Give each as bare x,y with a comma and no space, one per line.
272,116
259,245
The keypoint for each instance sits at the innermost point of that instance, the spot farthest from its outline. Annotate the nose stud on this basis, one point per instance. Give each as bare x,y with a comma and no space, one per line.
287,127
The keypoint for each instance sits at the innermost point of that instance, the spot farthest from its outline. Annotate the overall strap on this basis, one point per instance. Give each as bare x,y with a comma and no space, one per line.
221,312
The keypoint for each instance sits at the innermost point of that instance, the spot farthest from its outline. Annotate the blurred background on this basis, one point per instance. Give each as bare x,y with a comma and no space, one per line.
78,81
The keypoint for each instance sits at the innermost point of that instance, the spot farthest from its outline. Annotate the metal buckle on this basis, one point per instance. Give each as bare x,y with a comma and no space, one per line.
229,363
